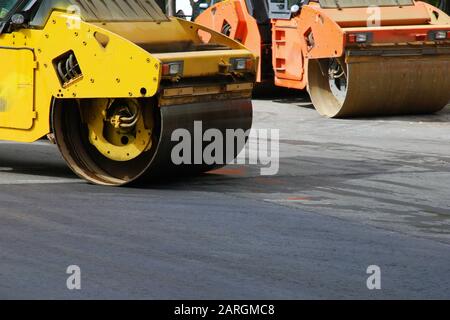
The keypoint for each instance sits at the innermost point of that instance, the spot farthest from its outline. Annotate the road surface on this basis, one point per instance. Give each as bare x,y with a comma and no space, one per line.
349,194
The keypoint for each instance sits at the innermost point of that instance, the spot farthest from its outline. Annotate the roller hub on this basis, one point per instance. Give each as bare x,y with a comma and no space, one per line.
337,76
117,128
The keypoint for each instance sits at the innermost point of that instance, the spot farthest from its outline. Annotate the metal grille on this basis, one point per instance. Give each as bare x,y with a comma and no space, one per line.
364,3
120,10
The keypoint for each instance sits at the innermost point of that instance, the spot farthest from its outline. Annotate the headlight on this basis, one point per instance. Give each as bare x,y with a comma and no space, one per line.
241,64
360,37
172,68
439,35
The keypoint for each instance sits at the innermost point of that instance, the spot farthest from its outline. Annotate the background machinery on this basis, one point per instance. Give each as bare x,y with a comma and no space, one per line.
355,57
444,5
187,9
113,82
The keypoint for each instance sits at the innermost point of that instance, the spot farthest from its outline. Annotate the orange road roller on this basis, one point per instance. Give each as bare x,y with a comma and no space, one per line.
355,57
112,81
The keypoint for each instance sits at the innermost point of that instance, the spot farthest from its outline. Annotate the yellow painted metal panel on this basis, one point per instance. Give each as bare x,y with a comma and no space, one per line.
203,63
16,88
117,69
115,59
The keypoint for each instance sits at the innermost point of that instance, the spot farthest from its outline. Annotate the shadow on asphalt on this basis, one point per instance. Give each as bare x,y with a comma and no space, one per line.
296,173
33,160
442,116
301,99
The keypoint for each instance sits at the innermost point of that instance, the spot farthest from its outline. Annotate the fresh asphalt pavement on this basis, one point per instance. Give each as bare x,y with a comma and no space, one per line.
349,194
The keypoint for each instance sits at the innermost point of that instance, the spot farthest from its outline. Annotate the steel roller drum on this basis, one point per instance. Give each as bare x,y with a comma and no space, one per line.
156,164
222,115
379,84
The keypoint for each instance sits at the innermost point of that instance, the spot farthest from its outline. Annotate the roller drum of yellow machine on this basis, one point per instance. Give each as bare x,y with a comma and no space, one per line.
113,82
355,57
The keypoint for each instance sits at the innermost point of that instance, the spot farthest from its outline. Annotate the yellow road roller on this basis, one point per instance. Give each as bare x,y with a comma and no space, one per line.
111,81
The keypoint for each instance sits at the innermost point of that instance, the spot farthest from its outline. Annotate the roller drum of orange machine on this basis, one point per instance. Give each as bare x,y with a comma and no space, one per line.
355,57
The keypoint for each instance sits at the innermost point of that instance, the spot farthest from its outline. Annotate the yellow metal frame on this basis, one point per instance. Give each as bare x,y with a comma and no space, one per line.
113,62
120,70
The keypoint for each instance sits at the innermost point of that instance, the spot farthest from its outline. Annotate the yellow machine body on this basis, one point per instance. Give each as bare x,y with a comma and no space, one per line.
29,83
119,60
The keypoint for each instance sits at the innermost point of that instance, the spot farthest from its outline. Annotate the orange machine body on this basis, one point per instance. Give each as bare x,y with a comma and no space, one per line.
318,33
233,19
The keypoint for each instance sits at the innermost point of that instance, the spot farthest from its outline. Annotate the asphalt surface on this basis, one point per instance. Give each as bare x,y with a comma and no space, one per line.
349,194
